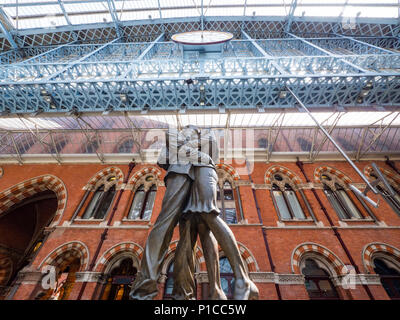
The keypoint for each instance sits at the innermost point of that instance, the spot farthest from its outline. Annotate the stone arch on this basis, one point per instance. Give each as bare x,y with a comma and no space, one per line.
28,188
170,253
6,269
285,171
375,247
387,173
107,256
231,173
141,175
310,247
102,175
248,258
340,175
122,140
68,251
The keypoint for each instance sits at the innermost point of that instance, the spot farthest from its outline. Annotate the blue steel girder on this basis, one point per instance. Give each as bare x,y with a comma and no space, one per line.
204,94
327,52
293,7
111,8
74,62
5,31
153,76
263,26
378,49
260,50
61,4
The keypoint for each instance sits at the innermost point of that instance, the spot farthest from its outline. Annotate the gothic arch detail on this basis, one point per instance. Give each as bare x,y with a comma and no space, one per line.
66,252
231,173
103,175
140,177
171,250
320,170
107,256
30,187
304,248
248,258
389,174
269,174
375,247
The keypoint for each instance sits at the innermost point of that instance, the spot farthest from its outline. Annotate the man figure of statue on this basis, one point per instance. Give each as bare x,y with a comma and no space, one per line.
200,217
181,159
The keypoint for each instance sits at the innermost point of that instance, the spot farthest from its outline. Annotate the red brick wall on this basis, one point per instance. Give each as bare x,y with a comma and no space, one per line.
282,240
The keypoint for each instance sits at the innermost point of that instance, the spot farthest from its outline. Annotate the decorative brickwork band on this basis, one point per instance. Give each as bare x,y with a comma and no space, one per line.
320,170
66,253
31,187
232,172
199,255
137,176
275,169
248,258
370,249
119,248
304,248
103,174
389,174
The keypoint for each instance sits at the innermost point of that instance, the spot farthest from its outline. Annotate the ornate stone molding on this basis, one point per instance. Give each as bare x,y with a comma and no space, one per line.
286,279
356,279
89,276
241,183
201,277
29,276
262,277
258,186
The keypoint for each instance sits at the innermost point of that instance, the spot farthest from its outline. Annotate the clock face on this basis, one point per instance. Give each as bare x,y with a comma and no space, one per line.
202,37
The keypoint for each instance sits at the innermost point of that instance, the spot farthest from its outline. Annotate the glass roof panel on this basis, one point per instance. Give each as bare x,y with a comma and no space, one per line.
219,120
139,15
49,13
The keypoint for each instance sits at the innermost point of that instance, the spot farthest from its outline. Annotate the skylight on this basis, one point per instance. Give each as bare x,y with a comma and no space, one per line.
28,14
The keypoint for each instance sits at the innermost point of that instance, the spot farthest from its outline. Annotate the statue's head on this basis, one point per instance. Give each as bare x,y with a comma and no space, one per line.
191,131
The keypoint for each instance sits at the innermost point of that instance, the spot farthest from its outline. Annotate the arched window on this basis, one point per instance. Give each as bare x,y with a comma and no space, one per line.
393,201
305,145
91,147
317,280
101,201
65,278
226,202
227,277
262,143
390,277
143,202
169,282
119,280
285,199
126,146
340,199
59,144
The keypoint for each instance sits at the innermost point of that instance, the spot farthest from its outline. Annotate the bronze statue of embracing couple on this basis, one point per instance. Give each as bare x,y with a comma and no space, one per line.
191,200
